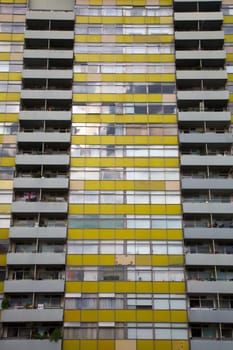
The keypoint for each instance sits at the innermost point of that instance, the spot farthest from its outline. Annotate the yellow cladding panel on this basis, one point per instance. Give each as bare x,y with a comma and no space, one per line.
5,208
156,234
4,56
228,38
124,140
124,185
88,345
231,97
118,97
126,77
125,316
93,38
4,233
6,184
228,19
230,77
11,76
124,118
124,58
2,259
9,117
9,96
125,287
123,20
7,161
13,1
11,37
71,345
136,209
123,162
1,287
72,315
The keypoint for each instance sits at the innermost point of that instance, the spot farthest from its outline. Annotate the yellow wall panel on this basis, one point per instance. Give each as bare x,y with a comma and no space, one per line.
123,20
143,260
11,76
177,287
125,315
11,37
106,344
9,117
158,209
176,260
144,287
88,315
2,259
163,344
125,140
144,316
106,259
124,118
90,259
106,315
179,316
228,19
74,259
1,287
125,287
147,344
5,208
9,96
228,38
72,315
7,161
88,345
6,184
106,287
73,287
90,287
4,233
71,345
124,58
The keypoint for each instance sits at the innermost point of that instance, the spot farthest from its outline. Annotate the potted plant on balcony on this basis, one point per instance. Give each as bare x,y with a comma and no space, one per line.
5,303
56,334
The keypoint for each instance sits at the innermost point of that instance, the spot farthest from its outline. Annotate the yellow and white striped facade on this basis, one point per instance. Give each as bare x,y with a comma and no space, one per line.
122,280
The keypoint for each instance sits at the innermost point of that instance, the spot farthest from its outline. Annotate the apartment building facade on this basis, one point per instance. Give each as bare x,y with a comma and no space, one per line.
116,174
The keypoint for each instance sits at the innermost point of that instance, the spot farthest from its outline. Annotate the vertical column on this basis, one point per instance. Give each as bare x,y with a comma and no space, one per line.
125,276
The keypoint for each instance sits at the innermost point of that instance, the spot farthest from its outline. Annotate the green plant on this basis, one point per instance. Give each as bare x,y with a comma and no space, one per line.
56,334
5,303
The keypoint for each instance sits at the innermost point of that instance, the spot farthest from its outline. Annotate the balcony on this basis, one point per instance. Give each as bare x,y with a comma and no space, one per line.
204,344
206,160
195,286
211,183
34,286
191,116
40,207
24,159
208,259
205,137
62,137
29,344
204,208
45,115
37,232
196,233
36,259
223,316
32,315
47,73
41,183
49,34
